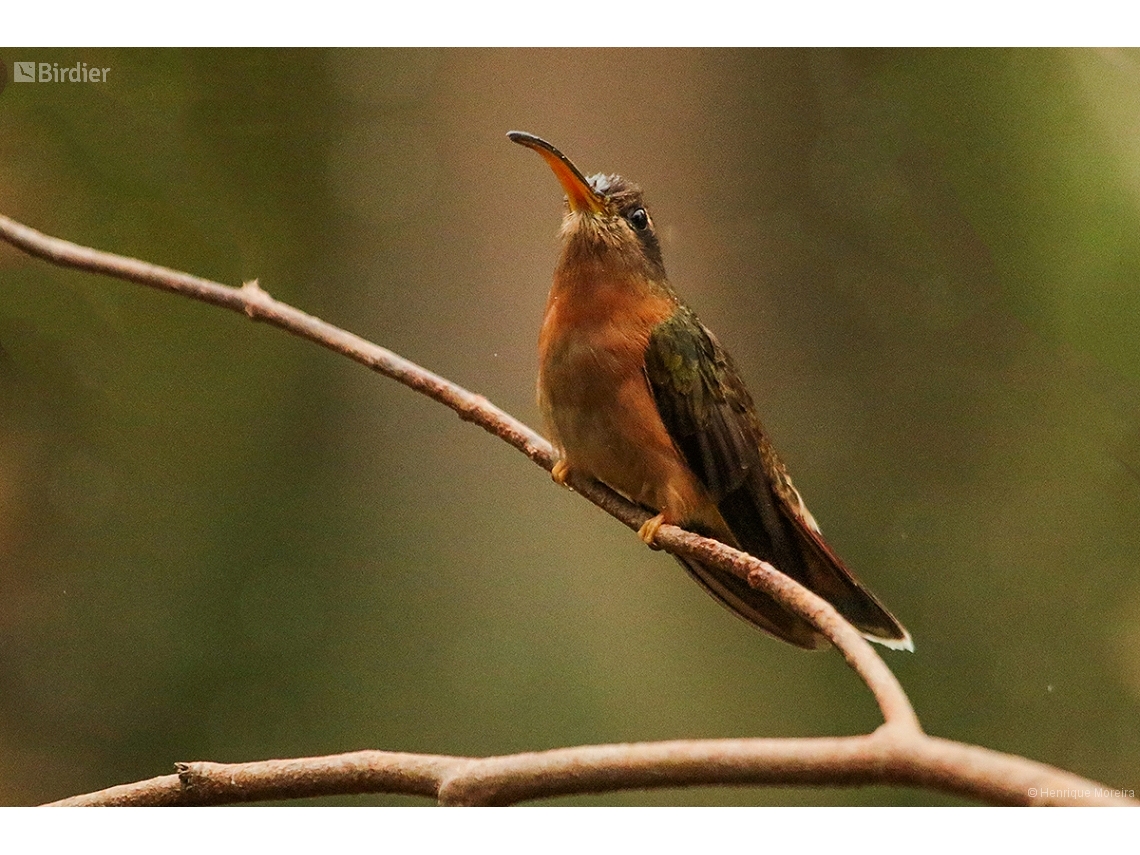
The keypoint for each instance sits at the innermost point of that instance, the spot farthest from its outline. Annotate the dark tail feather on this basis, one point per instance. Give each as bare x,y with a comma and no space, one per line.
754,606
774,533
829,577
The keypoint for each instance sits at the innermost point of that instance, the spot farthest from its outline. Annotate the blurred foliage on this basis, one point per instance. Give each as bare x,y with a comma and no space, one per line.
218,542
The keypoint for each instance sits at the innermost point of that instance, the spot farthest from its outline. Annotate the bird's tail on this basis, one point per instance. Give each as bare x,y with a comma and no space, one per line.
857,605
782,532
829,577
754,606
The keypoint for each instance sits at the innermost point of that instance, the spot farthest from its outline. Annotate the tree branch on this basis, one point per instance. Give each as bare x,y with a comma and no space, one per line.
887,756
898,752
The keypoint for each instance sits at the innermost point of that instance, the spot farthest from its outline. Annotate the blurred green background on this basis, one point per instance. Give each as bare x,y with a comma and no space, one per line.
221,542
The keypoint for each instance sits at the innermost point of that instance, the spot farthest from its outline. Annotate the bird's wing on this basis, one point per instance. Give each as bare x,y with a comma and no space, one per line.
711,418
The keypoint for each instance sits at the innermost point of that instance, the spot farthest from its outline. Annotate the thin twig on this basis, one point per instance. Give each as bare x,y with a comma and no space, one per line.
898,752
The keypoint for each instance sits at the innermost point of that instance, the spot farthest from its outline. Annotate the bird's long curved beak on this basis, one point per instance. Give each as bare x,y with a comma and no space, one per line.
579,193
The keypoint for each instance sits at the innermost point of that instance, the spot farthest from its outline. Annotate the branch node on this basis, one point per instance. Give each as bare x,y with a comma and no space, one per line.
252,294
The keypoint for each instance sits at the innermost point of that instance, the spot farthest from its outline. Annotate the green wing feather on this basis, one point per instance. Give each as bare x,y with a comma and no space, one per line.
712,420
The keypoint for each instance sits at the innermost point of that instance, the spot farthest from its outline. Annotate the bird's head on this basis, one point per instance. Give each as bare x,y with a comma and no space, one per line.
607,225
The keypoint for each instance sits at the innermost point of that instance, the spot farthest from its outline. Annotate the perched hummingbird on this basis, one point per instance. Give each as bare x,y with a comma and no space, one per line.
638,394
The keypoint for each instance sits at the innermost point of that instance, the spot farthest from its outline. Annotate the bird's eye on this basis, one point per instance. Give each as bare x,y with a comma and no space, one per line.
639,219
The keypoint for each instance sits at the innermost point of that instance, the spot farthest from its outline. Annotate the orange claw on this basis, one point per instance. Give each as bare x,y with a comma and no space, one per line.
560,472
648,531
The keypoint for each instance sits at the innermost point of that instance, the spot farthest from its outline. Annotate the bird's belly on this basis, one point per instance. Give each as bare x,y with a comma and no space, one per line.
602,417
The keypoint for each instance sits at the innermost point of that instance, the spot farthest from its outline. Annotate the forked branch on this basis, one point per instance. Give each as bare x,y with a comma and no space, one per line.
898,752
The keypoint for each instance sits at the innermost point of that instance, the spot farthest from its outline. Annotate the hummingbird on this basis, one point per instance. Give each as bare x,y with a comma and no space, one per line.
637,393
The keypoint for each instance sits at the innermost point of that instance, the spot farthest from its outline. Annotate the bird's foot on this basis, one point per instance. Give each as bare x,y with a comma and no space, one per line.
648,531
560,472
